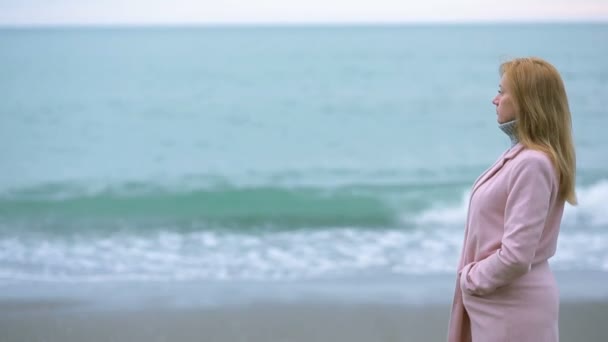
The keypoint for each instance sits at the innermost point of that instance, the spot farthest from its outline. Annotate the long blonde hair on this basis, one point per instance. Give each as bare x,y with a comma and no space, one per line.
543,116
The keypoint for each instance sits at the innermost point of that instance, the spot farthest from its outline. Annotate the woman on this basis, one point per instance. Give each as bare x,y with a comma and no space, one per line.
505,290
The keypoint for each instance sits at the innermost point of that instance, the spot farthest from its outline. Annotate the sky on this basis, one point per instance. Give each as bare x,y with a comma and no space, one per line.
146,12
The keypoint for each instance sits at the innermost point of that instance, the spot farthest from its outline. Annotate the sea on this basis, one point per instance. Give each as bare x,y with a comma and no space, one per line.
272,154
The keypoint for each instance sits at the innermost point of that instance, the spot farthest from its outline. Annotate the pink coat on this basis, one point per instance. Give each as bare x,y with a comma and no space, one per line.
505,290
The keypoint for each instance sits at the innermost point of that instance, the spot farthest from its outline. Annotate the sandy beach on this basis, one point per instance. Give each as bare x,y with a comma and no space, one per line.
295,322
412,308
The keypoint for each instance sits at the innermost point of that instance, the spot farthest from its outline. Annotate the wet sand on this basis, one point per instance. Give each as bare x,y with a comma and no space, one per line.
23,320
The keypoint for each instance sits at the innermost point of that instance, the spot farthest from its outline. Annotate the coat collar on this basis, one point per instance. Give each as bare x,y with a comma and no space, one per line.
507,155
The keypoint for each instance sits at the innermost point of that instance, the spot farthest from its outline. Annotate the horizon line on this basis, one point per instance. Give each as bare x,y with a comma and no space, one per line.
262,24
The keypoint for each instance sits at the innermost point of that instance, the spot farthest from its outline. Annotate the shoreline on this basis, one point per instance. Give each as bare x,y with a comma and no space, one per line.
303,321
395,308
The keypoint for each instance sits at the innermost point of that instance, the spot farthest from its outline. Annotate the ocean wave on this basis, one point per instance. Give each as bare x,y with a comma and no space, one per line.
321,178
226,205
294,255
591,210
227,256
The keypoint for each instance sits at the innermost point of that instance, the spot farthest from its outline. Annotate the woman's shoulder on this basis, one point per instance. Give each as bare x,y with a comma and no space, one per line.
530,154
531,160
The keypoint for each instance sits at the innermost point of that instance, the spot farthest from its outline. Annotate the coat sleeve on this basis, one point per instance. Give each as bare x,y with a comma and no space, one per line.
531,190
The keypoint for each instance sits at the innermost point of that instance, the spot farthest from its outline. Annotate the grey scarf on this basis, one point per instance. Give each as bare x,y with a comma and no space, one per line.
510,130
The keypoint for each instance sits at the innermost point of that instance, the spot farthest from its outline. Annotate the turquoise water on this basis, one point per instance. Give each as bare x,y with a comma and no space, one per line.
271,153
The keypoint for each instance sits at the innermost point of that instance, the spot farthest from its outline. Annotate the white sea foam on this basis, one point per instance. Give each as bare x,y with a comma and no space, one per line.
267,256
591,211
445,214
210,255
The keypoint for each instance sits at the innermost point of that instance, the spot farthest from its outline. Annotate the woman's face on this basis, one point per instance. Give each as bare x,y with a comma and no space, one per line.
505,108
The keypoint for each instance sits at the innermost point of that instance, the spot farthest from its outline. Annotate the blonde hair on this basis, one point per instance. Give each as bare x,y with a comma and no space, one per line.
544,122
